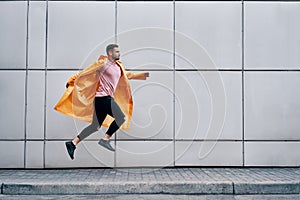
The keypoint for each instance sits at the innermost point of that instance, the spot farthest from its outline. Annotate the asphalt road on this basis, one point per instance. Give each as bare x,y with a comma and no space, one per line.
152,197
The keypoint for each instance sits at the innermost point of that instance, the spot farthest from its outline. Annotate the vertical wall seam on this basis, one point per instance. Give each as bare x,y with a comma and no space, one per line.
26,85
243,88
45,94
116,40
174,107
116,21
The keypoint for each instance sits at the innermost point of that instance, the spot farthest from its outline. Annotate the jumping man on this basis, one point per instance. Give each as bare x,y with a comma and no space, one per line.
100,94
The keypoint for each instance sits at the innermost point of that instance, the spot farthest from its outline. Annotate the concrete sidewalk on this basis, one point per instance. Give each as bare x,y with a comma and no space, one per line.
224,181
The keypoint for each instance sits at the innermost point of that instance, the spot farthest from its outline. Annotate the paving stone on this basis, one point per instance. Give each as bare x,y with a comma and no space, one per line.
151,181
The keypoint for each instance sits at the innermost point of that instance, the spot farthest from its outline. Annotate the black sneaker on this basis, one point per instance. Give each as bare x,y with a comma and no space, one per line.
70,148
105,144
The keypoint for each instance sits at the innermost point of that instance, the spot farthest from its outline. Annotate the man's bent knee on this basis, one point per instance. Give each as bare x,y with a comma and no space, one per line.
120,121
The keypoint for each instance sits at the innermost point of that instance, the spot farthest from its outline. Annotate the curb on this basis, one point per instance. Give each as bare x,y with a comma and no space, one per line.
267,188
120,188
187,187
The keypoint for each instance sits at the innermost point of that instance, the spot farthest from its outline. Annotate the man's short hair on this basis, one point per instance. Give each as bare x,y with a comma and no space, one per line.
110,47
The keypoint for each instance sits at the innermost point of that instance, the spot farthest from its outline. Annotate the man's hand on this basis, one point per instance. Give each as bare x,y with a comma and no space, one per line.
146,74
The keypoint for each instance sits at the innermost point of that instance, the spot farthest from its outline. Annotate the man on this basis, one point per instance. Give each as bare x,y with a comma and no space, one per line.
100,94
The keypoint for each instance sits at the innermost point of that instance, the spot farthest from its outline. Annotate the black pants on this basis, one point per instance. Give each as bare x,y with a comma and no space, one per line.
103,106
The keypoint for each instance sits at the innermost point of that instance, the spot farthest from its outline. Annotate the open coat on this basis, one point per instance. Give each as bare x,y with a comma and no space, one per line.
78,99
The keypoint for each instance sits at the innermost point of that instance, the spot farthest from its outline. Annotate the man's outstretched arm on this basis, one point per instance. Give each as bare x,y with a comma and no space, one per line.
137,76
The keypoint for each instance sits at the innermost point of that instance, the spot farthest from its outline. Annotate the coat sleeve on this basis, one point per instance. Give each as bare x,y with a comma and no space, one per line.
137,76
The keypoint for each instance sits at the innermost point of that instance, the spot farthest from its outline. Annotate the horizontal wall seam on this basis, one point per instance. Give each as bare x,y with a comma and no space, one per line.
237,70
157,1
169,70
145,140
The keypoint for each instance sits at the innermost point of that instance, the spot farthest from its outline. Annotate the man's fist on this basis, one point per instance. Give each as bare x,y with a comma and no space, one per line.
146,74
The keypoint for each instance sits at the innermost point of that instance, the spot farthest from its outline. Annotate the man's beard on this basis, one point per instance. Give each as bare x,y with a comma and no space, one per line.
116,58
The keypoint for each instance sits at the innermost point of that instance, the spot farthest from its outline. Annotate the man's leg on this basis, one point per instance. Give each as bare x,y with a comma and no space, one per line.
87,131
114,111
98,117
71,145
119,116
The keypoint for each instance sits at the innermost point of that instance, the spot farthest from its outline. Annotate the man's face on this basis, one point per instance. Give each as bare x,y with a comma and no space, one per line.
115,54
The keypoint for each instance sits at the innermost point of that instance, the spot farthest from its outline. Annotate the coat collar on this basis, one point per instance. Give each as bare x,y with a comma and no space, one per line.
119,63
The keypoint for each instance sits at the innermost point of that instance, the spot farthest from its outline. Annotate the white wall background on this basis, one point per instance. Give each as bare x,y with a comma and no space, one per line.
251,47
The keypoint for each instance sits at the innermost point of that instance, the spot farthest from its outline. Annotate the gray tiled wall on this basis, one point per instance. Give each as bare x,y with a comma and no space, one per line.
223,87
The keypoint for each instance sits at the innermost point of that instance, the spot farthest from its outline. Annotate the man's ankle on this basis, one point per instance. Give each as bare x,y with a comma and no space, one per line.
76,140
106,137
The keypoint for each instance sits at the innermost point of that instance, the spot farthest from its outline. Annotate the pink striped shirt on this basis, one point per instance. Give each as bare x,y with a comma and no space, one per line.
109,76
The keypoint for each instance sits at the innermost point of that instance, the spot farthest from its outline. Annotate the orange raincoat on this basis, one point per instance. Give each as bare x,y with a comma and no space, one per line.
78,99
